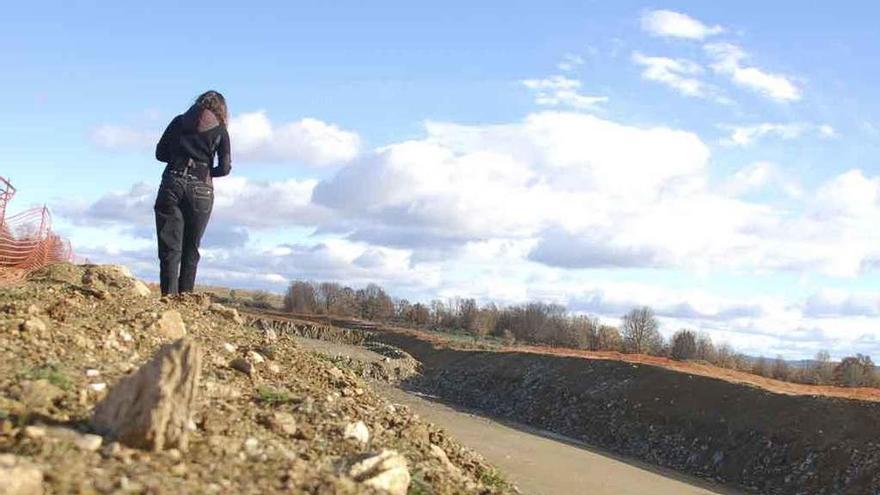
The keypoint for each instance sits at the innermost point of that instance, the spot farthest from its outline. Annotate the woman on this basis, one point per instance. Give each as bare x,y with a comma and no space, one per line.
186,195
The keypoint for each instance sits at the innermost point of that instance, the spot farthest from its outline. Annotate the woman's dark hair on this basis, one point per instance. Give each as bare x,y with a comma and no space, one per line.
215,103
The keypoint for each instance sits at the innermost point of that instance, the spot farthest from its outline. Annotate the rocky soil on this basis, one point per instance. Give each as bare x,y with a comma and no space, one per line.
266,417
733,433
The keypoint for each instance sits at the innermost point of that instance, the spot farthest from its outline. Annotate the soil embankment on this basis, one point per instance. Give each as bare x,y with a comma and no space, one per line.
265,415
734,433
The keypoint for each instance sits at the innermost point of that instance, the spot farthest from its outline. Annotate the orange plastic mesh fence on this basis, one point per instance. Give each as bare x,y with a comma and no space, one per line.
26,240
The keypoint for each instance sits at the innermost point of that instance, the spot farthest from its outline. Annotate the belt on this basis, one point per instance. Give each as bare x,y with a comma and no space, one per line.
189,168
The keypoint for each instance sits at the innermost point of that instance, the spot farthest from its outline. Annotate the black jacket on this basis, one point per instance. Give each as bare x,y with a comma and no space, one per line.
199,135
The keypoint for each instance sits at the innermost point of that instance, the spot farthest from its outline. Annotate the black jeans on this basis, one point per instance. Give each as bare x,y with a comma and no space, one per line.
183,207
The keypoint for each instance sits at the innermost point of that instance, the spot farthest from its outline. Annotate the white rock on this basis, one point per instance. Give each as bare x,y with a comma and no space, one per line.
229,347
151,407
230,313
33,324
282,423
91,373
256,357
170,325
19,476
251,445
34,432
357,431
386,470
441,456
122,270
98,387
88,442
139,288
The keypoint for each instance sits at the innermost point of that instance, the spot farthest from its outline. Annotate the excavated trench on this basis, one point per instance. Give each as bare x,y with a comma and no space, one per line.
739,435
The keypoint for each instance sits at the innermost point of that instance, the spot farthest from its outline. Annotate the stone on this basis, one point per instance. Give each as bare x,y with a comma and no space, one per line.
152,407
91,373
170,325
97,387
386,471
39,393
229,348
441,456
282,423
230,313
33,325
122,270
88,442
273,368
357,431
34,432
256,357
243,365
83,441
267,351
139,288
251,446
19,476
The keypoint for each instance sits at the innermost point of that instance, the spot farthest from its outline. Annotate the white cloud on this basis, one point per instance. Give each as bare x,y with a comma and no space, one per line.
850,195
580,190
561,91
667,23
728,60
570,62
517,211
308,140
675,73
239,202
511,181
828,303
748,135
121,138
254,138
760,176
826,131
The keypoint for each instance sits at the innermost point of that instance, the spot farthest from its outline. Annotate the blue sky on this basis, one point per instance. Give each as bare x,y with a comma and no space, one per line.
717,161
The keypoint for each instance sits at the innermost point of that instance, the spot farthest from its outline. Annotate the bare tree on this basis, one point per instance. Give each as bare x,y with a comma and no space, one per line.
374,303
781,370
300,297
609,339
761,367
640,331
856,371
329,294
705,347
684,345
725,356
821,371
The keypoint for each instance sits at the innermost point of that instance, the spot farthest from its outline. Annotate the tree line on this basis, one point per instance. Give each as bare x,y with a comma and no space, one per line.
552,324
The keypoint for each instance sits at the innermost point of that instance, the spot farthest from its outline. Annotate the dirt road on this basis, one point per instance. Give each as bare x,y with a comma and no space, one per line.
537,462
541,465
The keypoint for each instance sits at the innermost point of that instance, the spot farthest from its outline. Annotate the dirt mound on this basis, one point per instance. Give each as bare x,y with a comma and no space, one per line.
734,433
306,328
271,418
